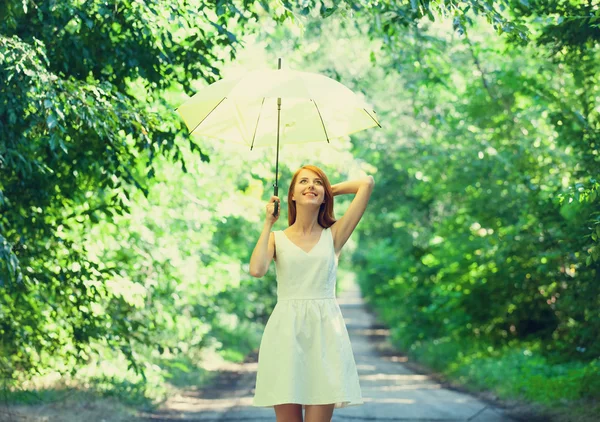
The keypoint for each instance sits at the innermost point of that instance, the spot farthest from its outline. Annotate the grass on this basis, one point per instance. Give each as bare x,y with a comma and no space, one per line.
511,372
106,390
519,373
68,406
522,373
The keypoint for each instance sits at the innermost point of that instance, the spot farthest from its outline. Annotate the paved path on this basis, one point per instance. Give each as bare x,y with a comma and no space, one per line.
390,390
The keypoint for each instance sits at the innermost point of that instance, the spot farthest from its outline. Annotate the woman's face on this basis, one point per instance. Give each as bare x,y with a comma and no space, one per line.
309,188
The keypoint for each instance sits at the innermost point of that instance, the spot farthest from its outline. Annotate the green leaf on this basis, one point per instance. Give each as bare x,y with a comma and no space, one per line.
51,121
63,146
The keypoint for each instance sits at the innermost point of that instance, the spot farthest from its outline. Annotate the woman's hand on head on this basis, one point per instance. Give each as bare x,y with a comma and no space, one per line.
270,218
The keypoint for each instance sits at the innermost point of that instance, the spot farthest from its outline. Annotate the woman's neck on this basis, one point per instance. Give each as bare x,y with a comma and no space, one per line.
306,220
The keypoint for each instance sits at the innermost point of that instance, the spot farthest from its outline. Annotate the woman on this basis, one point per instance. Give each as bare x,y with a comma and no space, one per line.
305,358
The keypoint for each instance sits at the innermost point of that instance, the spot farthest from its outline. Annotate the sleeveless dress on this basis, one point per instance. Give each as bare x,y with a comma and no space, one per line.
305,355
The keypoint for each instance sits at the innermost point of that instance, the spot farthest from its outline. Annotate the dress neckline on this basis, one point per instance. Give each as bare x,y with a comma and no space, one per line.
311,249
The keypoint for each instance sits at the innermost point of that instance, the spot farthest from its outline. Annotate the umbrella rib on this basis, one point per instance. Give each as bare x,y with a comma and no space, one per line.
369,114
321,117
206,117
256,127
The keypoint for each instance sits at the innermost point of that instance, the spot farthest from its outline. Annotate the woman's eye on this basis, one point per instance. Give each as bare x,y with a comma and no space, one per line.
319,182
302,181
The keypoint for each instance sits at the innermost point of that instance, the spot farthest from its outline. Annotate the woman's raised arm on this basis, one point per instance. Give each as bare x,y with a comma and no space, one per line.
343,228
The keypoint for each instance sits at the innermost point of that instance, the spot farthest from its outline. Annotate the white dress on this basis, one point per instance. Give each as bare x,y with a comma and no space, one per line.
305,355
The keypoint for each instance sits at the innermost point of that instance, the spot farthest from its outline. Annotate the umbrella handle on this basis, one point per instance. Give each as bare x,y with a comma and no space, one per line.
276,210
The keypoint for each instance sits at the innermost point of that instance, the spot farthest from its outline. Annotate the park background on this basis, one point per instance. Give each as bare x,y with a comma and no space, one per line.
124,241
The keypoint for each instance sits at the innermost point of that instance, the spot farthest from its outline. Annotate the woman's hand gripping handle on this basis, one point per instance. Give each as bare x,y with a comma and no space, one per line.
272,210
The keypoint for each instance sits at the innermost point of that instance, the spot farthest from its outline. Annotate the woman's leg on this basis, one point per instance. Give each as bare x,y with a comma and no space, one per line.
318,412
288,412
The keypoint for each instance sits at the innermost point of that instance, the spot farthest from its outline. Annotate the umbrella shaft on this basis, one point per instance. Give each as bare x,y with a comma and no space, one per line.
278,125
276,211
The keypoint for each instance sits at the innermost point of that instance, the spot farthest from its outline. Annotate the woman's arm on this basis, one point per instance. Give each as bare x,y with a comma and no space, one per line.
264,251
351,186
343,228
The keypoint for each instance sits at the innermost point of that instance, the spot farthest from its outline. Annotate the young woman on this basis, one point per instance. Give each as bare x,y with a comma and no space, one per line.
305,359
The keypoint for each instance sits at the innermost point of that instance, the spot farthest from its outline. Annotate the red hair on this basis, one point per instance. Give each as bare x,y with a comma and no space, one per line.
326,217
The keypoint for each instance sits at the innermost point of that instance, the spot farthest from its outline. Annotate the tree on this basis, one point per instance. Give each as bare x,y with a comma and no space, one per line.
82,87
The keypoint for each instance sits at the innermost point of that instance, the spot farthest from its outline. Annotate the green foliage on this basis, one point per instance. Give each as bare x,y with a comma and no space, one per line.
495,218
83,119
484,235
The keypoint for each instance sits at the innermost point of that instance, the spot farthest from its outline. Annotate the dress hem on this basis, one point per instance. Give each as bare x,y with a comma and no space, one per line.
345,402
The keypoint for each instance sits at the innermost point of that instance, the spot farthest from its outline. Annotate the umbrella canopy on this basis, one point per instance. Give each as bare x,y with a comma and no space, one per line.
269,107
244,110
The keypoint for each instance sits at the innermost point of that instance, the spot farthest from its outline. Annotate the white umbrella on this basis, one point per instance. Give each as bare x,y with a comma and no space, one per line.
269,107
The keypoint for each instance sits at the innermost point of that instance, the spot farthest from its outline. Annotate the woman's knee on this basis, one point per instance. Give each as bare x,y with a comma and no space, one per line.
319,412
288,412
